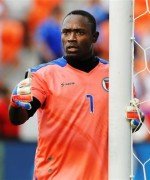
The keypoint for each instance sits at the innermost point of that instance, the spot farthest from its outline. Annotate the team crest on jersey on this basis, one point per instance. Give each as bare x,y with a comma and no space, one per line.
105,83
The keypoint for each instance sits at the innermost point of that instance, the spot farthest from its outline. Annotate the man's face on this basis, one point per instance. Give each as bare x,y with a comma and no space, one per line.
77,37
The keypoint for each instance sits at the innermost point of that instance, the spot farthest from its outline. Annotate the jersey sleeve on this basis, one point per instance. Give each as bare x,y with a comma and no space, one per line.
38,87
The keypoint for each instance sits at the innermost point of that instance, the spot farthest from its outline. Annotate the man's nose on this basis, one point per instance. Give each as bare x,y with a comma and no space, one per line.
72,37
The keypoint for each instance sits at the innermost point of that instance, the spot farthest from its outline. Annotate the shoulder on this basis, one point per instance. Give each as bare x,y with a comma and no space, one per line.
104,64
103,61
60,62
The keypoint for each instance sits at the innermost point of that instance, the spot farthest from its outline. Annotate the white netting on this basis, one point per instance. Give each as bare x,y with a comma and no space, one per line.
141,138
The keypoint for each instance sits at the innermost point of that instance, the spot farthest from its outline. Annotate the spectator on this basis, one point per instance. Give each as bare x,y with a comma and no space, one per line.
48,37
12,33
40,10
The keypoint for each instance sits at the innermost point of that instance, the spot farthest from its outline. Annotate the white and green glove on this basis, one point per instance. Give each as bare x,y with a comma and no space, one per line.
21,95
134,115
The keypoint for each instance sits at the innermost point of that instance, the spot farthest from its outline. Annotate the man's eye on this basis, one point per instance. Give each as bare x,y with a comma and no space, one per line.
65,32
80,33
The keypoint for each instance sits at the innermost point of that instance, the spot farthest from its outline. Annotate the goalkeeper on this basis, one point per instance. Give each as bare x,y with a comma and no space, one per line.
70,95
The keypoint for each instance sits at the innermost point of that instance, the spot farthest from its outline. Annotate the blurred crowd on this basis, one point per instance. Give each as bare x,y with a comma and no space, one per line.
32,35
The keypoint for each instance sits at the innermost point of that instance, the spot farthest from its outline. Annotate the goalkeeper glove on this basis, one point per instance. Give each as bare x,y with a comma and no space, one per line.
21,95
134,115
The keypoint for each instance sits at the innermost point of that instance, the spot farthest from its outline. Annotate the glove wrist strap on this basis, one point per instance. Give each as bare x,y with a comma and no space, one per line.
13,104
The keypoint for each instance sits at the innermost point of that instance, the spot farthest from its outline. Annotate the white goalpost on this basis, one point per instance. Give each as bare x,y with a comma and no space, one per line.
121,53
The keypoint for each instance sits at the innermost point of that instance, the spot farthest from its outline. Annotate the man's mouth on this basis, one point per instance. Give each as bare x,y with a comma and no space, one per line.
72,48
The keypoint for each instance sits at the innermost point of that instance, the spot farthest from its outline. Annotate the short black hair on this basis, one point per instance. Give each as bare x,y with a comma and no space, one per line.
86,14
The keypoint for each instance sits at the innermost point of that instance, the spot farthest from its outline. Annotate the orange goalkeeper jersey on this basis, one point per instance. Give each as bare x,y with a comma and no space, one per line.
73,121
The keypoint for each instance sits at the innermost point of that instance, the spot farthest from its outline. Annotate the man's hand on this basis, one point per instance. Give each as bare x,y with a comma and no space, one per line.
21,95
134,115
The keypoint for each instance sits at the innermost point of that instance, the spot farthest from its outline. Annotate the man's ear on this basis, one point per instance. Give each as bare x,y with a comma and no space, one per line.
95,36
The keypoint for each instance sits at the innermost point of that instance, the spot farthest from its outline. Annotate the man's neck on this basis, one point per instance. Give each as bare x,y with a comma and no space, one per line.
85,65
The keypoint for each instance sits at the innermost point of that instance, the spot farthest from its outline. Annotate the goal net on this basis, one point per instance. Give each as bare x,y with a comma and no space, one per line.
141,139
129,49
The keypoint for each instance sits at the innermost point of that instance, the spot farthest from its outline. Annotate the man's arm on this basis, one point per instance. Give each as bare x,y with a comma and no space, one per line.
19,115
22,104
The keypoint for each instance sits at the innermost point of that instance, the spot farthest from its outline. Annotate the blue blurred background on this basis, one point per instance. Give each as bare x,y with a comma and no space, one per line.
17,160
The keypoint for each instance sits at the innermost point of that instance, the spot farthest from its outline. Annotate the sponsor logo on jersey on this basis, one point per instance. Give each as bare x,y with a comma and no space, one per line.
105,84
67,84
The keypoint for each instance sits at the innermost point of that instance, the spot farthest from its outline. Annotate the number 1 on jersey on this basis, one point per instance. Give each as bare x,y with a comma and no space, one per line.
91,101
